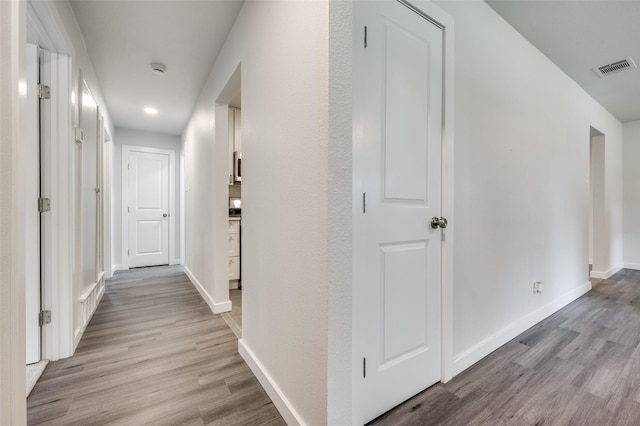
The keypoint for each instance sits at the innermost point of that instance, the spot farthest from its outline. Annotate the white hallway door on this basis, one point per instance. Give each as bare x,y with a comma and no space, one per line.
397,185
148,208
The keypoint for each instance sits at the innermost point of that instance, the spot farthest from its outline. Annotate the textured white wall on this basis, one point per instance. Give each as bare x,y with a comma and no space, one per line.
631,222
339,344
521,180
283,48
150,140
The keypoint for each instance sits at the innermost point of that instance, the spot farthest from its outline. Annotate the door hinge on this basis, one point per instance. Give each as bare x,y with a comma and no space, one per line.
44,318
128,211
128,254
365,36
44,92
364,368
364,202
44,205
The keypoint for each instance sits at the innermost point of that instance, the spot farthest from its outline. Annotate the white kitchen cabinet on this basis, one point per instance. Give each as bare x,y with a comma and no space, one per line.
234,271
234,225
234,245
234,252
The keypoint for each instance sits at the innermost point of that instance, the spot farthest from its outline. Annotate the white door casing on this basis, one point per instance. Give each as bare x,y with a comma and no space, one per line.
398,94
147,204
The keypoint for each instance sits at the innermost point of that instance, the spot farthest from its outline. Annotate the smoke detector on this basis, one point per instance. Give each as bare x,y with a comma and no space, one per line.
158,68
614,67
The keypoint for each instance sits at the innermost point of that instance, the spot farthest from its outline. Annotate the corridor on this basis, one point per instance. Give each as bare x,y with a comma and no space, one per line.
152,354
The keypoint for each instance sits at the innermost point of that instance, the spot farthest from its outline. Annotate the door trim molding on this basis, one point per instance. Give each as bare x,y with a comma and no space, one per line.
126,150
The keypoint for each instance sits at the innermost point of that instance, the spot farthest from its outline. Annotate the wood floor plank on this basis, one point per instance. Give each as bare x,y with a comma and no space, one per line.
153,354
580,366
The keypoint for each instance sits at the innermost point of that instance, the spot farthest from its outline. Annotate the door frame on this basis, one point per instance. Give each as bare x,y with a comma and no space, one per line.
436,15
126,150
57,225
597,168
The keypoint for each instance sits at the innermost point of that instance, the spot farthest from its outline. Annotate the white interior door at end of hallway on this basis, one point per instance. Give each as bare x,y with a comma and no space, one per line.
148,208
397,188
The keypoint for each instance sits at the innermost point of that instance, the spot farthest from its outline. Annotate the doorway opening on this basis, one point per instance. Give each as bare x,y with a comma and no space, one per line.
229,107
597,222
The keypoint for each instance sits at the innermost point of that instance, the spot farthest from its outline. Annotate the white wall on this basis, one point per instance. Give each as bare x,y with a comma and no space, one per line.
283,49
521,183
631,222
12,277
151,140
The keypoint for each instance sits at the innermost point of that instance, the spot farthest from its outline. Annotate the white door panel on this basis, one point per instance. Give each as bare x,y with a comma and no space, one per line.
148,209
149,188
397,163
405,128
403,303
149,237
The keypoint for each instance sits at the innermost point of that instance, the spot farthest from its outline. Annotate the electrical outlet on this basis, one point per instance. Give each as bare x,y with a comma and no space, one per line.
536,287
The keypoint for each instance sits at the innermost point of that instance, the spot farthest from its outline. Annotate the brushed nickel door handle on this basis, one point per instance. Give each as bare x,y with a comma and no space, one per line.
438,222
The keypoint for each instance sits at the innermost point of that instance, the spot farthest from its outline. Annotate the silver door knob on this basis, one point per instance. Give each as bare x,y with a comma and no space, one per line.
165,215
438,222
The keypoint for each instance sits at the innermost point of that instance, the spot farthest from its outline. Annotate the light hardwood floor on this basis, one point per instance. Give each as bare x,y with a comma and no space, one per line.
153,354
234,318
580,366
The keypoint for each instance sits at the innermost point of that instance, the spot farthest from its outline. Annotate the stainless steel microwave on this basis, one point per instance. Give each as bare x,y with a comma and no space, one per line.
237,166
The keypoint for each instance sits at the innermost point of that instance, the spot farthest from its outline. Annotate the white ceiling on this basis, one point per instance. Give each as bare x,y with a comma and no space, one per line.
578,35
124,37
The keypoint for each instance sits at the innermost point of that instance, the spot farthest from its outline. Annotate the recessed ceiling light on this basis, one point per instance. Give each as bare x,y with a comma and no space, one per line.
151,111
158,68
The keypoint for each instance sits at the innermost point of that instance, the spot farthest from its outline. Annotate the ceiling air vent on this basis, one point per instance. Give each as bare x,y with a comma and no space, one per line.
614,67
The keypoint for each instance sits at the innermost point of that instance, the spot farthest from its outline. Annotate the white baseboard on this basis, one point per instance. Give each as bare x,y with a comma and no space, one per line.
491,343
117,267
634,266
606,274
284,406
216,307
